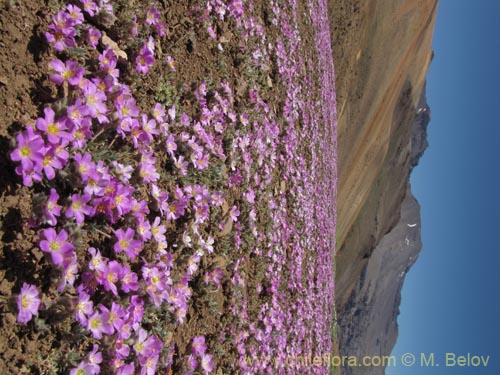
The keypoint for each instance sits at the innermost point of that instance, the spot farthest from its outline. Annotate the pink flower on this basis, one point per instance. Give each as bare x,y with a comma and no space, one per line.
84,165
234,213
70,72
94,359
79,208
171,63
74,15
55,130
181,164
77,114
83,368
84,308
152,16
214,276
158,230
158,112
50,163
29,149
56,245
145,345
144,228
144,60
97,262
69,273
98,324
89,7
28,303
126,108
127,243
93,36
198,346
111,275
171,145
61,37
52,209
207,363
129,280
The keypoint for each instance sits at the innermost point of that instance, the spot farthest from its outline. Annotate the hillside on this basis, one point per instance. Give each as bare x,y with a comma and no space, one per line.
382,51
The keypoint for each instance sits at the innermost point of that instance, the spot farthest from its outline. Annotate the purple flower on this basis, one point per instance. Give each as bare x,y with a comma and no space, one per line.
50,163
148,172
207,363
171,63
158,112
69,273
97,262
84,165
93,36
28,303
77,113
146,346
214,276
181,164
74,15
127,243
84,308
123,172
83,368
129,280
81,133
70,72
126,108
55,130
152,16
29,149
144,60
111,275
94,359
171,145
98,324
144,228
89,7
198,346
61,37
148,129
95,100
107,64
79,208
234,213
56,245
52,208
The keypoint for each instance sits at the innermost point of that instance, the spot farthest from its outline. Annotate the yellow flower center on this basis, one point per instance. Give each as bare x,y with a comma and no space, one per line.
52,129
95,323
47,160
55,246
123,244
25,301
75,114
67,74
25,151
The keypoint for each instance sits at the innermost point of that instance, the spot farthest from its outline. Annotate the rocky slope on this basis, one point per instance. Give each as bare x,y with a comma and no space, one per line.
368,322
382,51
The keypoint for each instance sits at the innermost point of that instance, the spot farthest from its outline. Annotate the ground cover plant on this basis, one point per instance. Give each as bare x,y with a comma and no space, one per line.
169,194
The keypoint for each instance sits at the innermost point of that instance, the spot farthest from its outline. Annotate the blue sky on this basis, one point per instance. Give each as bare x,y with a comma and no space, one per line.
451,297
